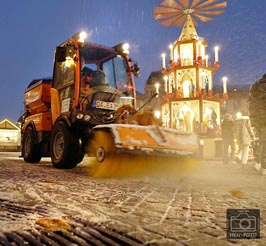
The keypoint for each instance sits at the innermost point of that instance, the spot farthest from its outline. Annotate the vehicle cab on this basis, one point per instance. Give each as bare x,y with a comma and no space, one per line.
92,81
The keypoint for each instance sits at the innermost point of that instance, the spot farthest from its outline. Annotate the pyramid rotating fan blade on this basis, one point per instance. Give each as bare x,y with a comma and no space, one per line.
215,6
185,3
177,21
193,20
218,12
208,2
203,18
194,3
164,10
173,12
171,4
167,16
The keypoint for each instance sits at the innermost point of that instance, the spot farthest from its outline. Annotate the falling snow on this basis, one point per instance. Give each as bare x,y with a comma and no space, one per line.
30,37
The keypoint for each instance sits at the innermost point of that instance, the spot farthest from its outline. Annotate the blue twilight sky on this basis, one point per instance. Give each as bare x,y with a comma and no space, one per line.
31,29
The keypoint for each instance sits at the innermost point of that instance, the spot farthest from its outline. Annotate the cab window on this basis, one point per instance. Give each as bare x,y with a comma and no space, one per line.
64,74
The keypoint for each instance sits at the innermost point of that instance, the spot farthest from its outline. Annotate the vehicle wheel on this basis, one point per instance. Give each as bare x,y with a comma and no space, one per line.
79,154
30,150
64,147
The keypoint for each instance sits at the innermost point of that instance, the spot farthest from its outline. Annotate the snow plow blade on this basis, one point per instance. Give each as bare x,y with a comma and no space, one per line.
152,140
129,150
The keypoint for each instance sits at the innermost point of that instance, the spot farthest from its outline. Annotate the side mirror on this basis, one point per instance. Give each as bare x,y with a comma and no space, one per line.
136,70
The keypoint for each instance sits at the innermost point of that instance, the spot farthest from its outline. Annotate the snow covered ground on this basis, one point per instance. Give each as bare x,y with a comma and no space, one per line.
166,210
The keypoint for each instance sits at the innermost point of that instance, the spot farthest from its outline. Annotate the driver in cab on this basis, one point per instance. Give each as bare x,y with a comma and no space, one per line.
86,75
90,77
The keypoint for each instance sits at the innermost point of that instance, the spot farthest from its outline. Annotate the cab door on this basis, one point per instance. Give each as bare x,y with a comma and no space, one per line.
64,77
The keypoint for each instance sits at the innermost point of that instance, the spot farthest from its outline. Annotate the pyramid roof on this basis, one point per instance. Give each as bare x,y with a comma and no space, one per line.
189,31
7,124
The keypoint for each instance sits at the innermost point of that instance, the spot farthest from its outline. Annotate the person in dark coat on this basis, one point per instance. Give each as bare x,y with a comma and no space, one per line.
228,135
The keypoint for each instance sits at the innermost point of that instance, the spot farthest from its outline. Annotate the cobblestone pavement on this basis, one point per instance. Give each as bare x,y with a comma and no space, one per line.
152,210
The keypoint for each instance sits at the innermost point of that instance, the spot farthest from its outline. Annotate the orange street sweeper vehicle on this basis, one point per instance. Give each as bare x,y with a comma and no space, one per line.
89,107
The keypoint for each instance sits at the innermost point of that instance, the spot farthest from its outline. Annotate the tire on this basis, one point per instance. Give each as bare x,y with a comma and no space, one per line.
30,150
79,157
65,149
79,153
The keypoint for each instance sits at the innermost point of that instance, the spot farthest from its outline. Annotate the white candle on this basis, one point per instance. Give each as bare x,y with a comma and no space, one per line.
207,60
216,49
165,83
225,84
171,52
163,60
157,85
175,55
198,48
202,51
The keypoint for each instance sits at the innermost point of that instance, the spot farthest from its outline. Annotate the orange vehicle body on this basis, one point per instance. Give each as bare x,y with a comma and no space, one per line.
37,105
91,101
59,114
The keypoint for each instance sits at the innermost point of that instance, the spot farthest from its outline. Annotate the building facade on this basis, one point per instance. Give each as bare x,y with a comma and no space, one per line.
237,101
10,139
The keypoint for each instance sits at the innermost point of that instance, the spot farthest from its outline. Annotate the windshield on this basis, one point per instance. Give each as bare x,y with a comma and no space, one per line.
117,75
106,79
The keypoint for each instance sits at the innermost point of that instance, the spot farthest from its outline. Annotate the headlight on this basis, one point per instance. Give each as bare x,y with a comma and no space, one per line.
79,116
125,48
82,37
122,49
87,117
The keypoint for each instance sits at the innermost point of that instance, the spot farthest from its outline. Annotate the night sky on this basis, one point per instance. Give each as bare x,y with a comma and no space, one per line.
31,29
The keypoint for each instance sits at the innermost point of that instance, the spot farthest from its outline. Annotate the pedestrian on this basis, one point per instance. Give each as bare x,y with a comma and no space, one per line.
257,113
228,135
244,136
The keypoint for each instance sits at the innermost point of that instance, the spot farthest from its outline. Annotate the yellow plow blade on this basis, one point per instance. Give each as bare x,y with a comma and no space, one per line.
130,150
152,140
